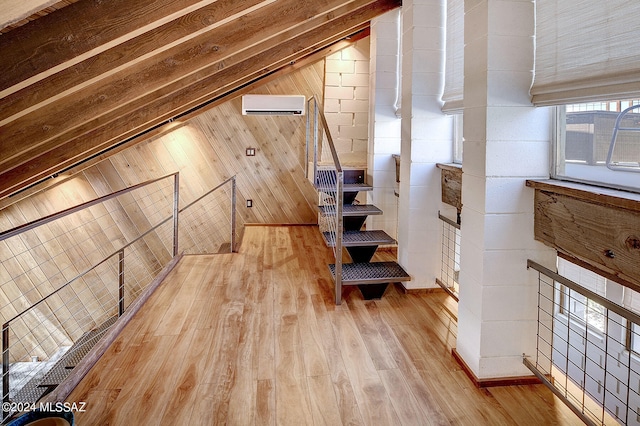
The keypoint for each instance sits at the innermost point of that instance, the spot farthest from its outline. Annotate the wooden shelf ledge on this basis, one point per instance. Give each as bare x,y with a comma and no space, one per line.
453,167
597,228
451,177
589,193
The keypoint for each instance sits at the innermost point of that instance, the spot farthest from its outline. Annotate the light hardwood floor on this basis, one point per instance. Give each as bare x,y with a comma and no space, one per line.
255,338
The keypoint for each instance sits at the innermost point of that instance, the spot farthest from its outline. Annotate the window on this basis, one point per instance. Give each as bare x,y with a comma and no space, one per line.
583,140
584,310
457,138
577,306
632,302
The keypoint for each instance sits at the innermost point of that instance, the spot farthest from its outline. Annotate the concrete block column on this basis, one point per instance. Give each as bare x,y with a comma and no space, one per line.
426,139
506,141
346,102
384,123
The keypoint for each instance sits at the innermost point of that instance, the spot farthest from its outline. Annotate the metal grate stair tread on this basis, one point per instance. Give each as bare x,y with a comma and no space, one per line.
84,345
351,210
371,273
75,354
347,187
41,384
360,238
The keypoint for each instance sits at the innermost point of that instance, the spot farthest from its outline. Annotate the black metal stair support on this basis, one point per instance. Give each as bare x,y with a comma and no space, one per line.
372,278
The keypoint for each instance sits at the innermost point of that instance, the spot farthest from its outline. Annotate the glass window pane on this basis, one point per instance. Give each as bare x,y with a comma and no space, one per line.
584,140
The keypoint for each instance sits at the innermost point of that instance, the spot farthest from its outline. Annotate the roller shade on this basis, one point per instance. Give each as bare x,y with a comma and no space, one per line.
454,50
586,50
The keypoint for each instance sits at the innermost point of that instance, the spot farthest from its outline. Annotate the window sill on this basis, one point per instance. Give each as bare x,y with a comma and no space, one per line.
589,193
453,167
596,228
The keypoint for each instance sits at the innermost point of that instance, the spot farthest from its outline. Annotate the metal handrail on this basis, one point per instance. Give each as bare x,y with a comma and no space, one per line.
545,381
613,307
339,195
120,252
323,121
446,286
67,212
47,219
448,221
105,198
610,164
232,179
561,341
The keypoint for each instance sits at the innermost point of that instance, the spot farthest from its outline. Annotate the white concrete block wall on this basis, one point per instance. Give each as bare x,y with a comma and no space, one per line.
506,141
384,124
426,139
346,95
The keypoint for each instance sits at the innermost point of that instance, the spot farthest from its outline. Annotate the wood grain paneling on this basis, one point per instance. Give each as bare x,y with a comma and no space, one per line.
451,182
112,72
19,14
206,150
605,237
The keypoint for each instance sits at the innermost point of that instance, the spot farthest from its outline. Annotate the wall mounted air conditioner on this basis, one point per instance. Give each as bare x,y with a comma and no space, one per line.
273,105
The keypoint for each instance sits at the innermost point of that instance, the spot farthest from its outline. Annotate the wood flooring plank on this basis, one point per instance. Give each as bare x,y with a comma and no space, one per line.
368,389
185,396
430,402
293,405
243,392
260,341
405,404
324,407
255,245
152,396
101,402
315,359
346,400
265,403
378,350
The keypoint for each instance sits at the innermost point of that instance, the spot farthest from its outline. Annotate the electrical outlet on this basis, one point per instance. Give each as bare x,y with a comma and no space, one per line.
249,203
251,152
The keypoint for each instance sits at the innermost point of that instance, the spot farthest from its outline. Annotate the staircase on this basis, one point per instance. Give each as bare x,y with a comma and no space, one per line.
44,382
372,278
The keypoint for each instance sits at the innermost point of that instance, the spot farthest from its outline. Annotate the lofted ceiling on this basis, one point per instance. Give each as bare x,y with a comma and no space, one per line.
80,80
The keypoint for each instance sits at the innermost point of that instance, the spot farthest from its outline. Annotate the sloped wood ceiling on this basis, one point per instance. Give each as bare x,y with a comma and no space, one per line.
98,74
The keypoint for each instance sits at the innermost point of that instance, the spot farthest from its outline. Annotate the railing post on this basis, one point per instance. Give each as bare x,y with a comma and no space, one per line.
5,364
120,282
315,141
339,205
233,214
307,140
176,208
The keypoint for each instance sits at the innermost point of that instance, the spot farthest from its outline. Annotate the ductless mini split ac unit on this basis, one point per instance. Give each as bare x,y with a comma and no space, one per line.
273,105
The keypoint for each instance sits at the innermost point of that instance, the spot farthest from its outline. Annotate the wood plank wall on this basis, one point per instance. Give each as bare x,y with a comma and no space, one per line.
206,150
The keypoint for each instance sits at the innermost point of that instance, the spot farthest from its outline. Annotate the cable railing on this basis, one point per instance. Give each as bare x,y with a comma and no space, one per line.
586,351
450,257
66,278
328,178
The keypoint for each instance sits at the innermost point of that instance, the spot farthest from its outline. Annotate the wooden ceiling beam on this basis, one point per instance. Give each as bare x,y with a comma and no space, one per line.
46,128
141,111
77,76
68,169
79,29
